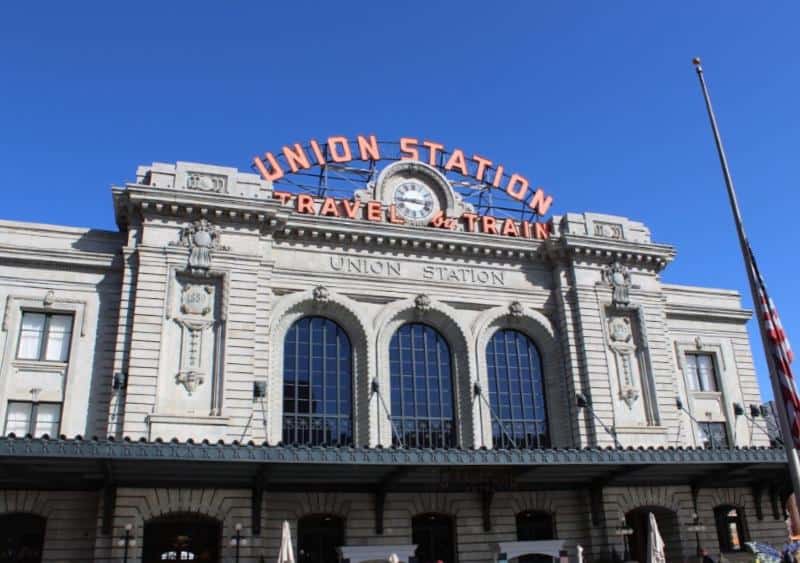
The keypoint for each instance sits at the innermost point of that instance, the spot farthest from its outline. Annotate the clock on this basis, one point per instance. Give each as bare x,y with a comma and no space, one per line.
414,200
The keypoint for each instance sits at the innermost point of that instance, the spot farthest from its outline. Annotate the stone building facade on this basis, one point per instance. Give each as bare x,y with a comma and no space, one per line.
228,360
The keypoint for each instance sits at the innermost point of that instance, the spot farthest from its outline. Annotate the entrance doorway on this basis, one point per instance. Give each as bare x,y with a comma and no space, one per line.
318,537
435,537
667,521
182,537
21,537
533,525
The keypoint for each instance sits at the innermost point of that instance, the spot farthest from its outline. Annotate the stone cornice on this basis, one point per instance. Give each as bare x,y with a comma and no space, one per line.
700,312
60,257
285,225
602,250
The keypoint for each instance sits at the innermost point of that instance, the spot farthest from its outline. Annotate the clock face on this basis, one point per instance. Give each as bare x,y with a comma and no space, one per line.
414,200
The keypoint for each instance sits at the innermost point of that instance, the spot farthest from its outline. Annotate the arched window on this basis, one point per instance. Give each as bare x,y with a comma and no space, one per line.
731,530
434,535
534,525
317,388
515,391
422,387
21,537
318,537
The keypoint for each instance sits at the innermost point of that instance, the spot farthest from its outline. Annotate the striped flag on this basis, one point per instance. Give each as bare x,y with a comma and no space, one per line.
781,353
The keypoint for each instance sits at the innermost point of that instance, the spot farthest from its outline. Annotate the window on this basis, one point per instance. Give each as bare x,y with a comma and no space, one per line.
730,528
36,419
515,391
45,336
434,535
422,387
535,526
317,388
713,434
318,537
701,372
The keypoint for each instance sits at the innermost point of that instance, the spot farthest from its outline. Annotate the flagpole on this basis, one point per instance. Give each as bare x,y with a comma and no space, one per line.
749,259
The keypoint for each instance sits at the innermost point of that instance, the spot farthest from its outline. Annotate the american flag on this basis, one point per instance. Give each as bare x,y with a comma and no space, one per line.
781,354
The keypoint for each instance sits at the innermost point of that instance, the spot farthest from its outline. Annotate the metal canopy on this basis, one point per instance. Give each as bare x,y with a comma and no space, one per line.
88,464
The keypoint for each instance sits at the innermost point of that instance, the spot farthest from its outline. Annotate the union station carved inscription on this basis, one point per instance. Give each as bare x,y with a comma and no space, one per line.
428,272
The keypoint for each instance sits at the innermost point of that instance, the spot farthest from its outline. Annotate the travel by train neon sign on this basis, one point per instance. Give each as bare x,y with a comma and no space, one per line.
353,161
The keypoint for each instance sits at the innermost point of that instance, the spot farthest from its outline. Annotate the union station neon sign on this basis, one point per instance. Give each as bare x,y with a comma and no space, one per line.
341,151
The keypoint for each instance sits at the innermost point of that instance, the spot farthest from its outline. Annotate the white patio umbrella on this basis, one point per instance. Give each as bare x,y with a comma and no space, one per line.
655,544
393,558
286,554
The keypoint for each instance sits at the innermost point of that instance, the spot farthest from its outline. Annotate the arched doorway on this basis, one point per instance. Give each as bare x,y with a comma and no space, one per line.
318,537
435,537
22,537
182,537
535,525
668,527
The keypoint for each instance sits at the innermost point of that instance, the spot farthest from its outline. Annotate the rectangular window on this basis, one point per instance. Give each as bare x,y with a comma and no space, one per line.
701,372
45,336
36,419
713,434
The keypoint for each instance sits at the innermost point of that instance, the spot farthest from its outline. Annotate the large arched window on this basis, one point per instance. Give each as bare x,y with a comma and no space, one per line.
422,387
317,388
318,538
516,392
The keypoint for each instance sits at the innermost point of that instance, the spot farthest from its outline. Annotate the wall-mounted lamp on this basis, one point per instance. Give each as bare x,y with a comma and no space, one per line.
583,403
259,389
755,411
738,409
120,380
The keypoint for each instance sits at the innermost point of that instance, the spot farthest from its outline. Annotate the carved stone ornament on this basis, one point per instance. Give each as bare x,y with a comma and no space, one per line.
619,278
49,298
698,342
203,182
620,338
608,230
201,237
321,295
190,380
515,309
422,303
196,299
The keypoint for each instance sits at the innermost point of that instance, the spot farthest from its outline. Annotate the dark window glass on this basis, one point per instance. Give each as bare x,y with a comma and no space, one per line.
21,537
434,536
535,526
515,391
422,387
318,537
713,434
317,392
701,371
730,528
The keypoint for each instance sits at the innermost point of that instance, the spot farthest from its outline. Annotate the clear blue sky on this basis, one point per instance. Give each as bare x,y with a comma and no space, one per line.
596,101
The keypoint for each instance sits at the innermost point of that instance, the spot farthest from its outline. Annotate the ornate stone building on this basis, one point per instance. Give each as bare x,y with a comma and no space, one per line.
235,356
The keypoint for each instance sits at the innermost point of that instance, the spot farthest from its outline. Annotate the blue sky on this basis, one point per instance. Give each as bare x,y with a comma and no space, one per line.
595,101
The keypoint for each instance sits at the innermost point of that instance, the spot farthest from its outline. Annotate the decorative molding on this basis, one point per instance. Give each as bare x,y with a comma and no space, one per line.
49,298
321,295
